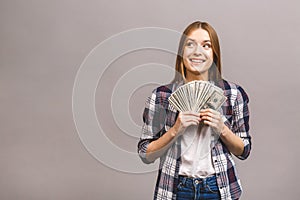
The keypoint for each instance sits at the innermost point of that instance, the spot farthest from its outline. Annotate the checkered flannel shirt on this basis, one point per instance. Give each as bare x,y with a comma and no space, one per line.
159,116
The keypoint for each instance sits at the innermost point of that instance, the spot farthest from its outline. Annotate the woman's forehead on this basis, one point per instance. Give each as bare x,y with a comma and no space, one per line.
198,35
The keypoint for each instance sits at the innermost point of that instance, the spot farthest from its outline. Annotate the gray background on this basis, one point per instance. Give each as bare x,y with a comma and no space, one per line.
42,45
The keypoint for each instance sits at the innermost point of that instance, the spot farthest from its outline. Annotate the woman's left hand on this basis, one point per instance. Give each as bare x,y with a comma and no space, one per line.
213,118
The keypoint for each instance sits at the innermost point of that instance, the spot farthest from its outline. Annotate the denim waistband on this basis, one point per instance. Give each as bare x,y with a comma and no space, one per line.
190,180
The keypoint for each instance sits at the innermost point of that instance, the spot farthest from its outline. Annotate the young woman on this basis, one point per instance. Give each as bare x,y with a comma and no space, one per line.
195,149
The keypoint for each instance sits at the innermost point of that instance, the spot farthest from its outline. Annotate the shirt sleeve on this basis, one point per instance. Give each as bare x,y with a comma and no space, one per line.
154,123
241,121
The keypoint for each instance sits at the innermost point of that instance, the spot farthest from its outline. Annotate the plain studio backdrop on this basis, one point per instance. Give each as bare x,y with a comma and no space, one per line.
42,46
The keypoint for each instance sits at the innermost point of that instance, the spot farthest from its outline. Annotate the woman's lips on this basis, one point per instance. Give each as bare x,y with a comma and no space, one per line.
197,60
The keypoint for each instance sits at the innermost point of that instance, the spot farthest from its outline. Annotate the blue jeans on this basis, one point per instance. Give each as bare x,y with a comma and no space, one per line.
197,188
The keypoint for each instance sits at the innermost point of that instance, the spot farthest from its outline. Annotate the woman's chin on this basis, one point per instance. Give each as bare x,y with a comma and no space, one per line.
200,69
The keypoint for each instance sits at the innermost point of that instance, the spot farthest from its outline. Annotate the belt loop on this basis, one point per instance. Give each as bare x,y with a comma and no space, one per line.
204,180
184,180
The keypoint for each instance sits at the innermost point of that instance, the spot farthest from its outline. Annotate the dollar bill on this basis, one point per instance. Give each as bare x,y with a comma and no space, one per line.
216,100
197,95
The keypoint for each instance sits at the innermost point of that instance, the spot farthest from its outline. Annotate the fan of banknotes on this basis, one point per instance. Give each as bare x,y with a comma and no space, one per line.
197,95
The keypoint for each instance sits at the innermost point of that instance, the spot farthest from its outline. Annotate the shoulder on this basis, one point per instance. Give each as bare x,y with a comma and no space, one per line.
161,94
233,91
166,89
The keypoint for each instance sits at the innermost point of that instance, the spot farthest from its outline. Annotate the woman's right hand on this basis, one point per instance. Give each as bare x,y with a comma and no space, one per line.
158,147
184,120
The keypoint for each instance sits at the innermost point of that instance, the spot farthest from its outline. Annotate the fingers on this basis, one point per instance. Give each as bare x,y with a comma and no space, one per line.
209,111
210,115
212,118
213,122
191,113
187,118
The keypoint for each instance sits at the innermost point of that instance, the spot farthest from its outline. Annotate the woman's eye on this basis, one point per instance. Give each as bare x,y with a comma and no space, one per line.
207,46
190,44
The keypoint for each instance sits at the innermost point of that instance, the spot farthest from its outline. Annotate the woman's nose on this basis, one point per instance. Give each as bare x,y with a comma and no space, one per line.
198,50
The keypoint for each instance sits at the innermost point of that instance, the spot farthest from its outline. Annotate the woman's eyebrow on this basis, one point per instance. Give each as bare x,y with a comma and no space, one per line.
192,40
204,41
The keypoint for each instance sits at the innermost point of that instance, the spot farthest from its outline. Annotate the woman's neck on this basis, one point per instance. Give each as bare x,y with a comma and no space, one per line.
200,77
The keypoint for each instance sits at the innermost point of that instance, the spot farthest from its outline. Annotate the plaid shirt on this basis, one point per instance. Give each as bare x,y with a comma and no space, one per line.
159,116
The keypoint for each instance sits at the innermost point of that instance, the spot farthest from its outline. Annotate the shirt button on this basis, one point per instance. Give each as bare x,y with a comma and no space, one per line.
196,181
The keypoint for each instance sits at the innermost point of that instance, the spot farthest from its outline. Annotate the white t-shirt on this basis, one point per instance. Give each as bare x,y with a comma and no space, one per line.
196,144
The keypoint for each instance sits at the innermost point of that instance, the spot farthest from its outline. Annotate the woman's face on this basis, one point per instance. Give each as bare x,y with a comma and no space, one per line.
197,55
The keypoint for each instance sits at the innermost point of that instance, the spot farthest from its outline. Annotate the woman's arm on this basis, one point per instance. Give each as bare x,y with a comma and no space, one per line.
158,147
237,139
155,140
233,142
